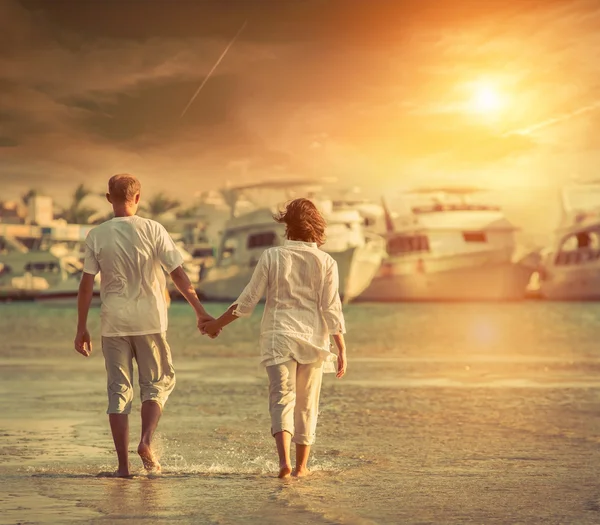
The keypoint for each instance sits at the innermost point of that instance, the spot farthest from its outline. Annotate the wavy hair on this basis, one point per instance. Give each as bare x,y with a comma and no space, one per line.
303,222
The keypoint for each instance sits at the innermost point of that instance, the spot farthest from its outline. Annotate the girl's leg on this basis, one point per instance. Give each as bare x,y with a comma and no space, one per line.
308,389
282,399
302,453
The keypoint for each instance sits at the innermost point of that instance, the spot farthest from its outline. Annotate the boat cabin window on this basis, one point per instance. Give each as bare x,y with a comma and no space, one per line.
42,267
579,248
203,252
440,207
407,244
475,236
4,269
261,240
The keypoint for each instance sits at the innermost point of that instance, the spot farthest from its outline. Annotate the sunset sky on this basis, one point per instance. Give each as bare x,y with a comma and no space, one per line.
380,94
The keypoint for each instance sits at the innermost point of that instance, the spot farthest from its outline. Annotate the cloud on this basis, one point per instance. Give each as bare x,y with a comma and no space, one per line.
311,88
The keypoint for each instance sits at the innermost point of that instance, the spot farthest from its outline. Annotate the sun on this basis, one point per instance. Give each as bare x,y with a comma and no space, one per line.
486,99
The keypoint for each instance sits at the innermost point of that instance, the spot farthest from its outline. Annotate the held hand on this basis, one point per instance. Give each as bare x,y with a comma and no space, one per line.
202,318
83,342
342,364
212,329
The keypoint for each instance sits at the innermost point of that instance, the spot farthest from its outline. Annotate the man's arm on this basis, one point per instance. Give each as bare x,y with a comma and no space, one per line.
185,286
83,342
172,262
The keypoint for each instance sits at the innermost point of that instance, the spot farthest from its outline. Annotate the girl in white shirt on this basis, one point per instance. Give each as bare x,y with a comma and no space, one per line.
302,310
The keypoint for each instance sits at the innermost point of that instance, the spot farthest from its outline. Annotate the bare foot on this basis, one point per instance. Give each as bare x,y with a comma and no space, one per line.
284,471
300,472
148,459
120,473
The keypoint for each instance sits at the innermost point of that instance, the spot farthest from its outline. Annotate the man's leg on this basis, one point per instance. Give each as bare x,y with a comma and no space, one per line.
157,381
151,412
119,426
118,359
282,398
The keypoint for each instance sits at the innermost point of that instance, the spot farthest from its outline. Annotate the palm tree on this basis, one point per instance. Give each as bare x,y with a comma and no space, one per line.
29,194
99,218
230,197
77,213
187,213
159,204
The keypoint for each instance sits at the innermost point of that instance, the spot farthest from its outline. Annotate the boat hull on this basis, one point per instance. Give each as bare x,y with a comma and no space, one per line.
356,267
66,298
486,278
577,284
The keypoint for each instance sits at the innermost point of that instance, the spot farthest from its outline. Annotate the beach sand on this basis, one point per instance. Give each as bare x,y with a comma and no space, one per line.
449,414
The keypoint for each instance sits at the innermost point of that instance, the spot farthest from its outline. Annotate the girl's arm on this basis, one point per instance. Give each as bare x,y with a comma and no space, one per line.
214,327
247,301
331,306
342,361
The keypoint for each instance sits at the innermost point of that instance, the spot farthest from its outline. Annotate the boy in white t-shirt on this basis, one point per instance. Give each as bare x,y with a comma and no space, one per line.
132,254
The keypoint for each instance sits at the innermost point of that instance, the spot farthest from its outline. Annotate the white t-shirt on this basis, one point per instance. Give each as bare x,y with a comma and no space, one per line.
130,254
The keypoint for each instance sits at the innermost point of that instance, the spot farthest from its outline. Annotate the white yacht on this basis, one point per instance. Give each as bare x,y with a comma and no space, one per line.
24,275
444,246
65,291
244,238
570,266
41,274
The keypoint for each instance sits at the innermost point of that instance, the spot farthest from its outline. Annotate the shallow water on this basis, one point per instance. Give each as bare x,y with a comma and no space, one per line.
475,413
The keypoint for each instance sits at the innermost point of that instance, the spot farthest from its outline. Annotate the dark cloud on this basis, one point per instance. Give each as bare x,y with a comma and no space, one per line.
7,142
151,112
347,21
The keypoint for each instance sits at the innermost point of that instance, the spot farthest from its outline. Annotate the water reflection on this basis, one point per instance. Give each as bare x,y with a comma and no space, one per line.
140,496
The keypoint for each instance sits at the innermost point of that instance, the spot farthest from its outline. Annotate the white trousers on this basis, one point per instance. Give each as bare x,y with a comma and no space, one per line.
294,391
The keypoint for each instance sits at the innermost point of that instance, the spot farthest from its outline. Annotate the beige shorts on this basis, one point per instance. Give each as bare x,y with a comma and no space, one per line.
155,369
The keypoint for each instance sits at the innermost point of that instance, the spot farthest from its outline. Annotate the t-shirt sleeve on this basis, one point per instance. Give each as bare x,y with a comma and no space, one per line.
168,254
90,263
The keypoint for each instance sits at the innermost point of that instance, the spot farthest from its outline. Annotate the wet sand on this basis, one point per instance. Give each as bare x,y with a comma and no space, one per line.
449,414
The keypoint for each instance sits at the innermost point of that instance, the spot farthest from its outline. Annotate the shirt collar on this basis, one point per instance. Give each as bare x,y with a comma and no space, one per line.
300,243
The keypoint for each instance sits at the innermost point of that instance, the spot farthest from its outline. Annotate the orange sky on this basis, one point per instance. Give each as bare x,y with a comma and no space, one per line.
377,94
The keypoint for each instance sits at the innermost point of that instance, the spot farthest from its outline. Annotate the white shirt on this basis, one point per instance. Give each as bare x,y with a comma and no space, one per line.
302,307
130,254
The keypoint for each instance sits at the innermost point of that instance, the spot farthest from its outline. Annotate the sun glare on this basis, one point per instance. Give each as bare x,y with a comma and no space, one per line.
486,99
